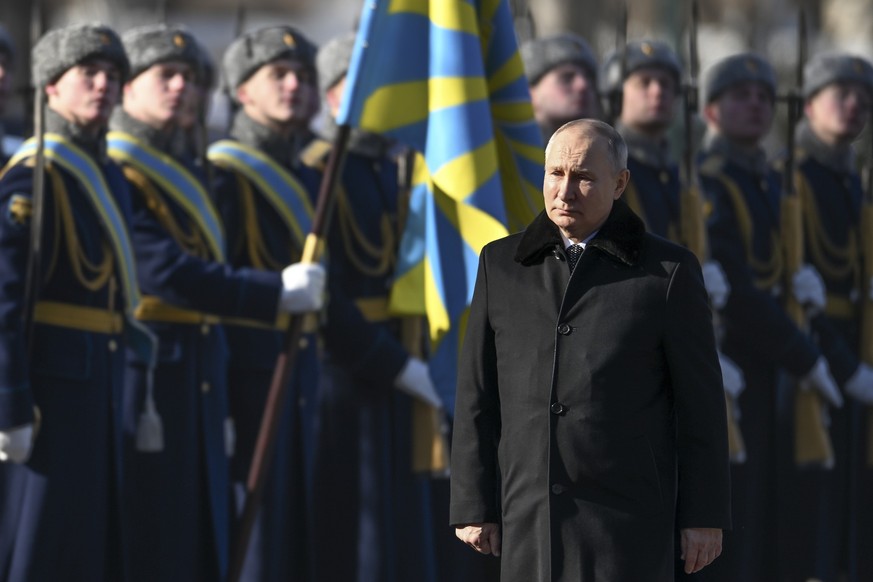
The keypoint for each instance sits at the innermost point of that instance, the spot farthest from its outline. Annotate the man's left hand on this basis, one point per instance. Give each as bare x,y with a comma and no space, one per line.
700,546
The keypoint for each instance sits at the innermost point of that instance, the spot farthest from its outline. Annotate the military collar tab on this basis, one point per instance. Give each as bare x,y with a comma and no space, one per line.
620,237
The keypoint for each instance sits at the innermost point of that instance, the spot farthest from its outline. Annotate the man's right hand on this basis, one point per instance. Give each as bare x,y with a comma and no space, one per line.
482,537
819,379
16,443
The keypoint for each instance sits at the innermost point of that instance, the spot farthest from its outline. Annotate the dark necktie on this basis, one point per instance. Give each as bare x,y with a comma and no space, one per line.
573,254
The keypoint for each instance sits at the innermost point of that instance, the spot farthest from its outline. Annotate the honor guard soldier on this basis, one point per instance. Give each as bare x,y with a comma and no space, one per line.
838,92
646,75
738,100
8,144
187,285
192,121
363,474
267,214
562,73
644,80
63,330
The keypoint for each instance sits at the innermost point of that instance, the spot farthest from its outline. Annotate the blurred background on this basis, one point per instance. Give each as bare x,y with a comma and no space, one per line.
726,27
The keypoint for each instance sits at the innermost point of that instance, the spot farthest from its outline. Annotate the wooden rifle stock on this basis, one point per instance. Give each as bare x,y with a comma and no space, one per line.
692,219
265,445
812,441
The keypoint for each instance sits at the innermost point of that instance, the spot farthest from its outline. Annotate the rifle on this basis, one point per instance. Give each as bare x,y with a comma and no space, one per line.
33,278
867,271
692,226
238,28
812,442
430,447
616,94
265,445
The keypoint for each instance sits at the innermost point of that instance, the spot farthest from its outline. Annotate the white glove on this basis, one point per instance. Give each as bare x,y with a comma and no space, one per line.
415,381
716,284
731,376
819,379
302,287
16,443
860,385
808,288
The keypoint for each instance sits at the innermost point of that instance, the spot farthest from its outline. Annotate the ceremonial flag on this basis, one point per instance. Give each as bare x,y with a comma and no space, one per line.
445,78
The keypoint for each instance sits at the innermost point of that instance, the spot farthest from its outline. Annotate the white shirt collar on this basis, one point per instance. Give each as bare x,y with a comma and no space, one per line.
568,242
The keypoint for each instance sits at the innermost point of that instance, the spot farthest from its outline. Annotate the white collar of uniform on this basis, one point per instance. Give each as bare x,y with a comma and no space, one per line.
568,242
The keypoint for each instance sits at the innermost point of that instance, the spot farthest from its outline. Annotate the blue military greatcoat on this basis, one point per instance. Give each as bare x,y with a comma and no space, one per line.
374,507
265,200
60,516
840,528
179,499
760,337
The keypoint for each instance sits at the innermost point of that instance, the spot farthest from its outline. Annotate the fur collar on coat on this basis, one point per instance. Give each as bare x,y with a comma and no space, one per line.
620,237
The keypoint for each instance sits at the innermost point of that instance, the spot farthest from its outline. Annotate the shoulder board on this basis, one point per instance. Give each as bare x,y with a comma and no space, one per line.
315,154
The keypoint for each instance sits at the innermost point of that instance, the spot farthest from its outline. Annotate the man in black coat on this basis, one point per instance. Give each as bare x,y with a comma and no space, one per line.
590,417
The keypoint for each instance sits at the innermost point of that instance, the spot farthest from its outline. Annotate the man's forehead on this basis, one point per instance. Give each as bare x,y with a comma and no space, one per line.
573,148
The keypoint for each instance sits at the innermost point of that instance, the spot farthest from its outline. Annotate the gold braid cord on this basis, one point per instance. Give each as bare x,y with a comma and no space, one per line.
258,254
356,243
835,262
92,276
193,243
767,272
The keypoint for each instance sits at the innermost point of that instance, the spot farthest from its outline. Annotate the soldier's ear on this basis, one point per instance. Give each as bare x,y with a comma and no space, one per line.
241,94
711,112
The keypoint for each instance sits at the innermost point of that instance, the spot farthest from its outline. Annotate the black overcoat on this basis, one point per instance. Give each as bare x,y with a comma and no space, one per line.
590,415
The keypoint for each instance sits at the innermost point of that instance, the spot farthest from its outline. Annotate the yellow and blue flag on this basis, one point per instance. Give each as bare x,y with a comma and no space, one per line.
445,78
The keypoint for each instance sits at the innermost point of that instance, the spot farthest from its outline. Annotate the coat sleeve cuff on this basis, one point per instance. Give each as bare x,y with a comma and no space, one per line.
16,408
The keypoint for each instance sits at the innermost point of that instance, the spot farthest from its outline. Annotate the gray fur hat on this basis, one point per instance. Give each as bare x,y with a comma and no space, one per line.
60,49
541,55
733,70
639,54
158,43
207,68
253,50
333,60
6,45
826,68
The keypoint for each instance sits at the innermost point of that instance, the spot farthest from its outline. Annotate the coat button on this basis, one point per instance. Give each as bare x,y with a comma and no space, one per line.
204,329
205,387
113,345
557,408
304,343
557,488
564,329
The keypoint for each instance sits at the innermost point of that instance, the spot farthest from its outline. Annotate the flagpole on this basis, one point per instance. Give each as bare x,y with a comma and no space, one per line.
263,453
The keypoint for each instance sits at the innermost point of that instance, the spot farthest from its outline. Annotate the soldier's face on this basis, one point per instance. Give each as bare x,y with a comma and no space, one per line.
580,183
158,95
5,79
565,93
743,113
648,99
281,93
86,94
838,113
